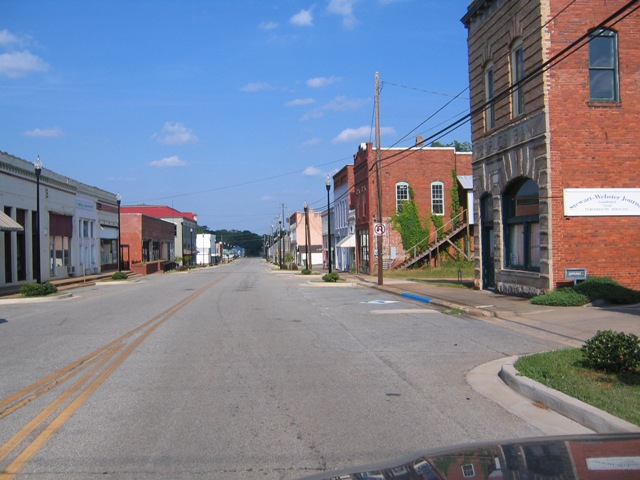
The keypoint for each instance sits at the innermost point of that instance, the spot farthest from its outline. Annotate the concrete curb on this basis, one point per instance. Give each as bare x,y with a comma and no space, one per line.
580,412
53,298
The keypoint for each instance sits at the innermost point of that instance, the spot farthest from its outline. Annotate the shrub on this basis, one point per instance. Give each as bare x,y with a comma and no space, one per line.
563,297
331,277
119,276
38,289
612,351
606,288
306,271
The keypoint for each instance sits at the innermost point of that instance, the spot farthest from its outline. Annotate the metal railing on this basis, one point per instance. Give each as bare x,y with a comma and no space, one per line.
439,234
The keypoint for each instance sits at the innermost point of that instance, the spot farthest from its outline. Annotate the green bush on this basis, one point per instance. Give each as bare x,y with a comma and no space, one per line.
605,288
563,297
331,277
306,271
611,351
38,289
119,276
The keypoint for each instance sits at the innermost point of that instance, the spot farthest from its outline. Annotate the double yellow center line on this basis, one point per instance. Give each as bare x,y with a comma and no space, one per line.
93,369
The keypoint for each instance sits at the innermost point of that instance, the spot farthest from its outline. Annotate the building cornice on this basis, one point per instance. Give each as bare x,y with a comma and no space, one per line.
475,7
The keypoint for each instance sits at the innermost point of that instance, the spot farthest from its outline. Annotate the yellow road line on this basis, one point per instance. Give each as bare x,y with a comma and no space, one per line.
16,466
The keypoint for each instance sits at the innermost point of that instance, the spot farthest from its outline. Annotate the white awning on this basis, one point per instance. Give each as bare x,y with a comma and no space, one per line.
8,224
347,242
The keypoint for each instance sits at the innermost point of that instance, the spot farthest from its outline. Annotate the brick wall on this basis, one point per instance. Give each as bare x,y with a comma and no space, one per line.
594,145
419,167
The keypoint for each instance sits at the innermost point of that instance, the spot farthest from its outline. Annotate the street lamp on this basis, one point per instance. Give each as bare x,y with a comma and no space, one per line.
328,184
119,200
192,249
38,168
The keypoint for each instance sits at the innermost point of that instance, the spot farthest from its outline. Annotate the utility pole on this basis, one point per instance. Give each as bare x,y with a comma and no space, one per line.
284,229
378,175
307,236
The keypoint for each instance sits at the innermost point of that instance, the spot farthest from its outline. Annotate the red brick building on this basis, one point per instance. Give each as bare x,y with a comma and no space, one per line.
147,238
186,228
427,171
555,113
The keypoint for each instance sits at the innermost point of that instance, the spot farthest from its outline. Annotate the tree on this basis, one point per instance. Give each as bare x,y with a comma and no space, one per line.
251,242
459,146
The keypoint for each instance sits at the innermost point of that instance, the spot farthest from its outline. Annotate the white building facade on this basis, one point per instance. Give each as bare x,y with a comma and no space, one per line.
78,225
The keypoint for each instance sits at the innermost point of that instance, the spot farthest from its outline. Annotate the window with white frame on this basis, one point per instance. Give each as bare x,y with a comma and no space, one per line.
437,198
603,66
402,194
517,74
489,92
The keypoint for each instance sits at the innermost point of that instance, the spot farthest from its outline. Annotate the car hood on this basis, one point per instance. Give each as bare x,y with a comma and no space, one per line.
597,456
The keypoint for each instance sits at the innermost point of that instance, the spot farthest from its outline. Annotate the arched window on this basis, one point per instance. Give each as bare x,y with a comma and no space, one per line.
522,225
517,74
402,194
489,93
603,66
437,198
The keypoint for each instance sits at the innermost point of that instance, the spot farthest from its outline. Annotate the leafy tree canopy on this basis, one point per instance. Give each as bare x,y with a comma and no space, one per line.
251,242
459,146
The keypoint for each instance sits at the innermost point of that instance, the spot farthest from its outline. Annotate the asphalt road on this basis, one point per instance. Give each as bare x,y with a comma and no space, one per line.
239,372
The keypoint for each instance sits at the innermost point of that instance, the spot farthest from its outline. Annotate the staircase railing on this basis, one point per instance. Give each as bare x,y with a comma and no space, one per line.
437,235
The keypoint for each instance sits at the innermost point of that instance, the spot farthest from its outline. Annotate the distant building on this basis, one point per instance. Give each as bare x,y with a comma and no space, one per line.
306,255
345,219
145,238
185,232
555,167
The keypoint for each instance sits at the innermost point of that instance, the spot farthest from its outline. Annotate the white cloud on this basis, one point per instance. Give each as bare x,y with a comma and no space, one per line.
168,162
266,198
359,134
338,104
319,82
54,132
174,134
266,26
300,102
304,18
312,142
7,38
312,172
345,9
256,87
20,64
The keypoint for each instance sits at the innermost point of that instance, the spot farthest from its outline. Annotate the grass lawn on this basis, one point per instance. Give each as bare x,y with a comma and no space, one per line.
562,370
447,270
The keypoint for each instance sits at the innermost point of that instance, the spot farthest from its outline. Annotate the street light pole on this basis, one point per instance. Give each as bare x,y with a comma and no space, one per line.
192,249
119,200
328,185
38,169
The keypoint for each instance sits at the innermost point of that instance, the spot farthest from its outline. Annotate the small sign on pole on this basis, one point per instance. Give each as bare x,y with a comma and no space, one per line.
379,229
575,274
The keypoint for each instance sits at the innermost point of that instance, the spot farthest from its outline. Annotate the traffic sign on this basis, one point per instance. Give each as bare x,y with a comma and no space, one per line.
379,229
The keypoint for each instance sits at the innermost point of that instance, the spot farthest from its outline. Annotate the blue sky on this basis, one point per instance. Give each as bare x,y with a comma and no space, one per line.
225,108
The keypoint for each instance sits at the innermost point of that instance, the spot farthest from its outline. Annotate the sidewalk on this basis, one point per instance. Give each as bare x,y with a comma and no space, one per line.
498,380
568,325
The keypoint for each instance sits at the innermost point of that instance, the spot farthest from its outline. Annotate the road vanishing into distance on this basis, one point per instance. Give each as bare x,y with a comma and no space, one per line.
239,372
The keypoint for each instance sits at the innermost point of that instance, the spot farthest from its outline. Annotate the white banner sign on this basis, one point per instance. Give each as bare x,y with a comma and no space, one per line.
601,202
